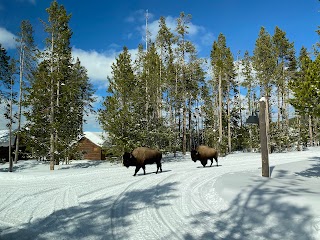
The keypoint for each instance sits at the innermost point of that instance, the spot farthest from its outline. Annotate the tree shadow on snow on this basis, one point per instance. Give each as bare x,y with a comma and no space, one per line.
166,158
313,171
257,212
20,166
104,218
79,164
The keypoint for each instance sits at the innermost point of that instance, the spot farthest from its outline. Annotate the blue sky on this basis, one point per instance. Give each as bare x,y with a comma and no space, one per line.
102,28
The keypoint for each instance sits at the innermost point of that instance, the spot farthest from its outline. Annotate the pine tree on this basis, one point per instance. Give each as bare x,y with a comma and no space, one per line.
164,41
7,93
38,103
76,100
250,84
183,46
9,115
59,93
4,72
285,65
153,86
194,79
248,81
305,88
26,51
264,63
116,115
10,99
219,58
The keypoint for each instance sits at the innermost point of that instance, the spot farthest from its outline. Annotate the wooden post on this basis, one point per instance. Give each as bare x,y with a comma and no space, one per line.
263,138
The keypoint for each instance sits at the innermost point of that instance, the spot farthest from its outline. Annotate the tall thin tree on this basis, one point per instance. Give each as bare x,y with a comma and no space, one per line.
26,51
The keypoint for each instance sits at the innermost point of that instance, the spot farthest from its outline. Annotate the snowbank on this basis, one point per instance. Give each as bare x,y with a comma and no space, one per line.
99,200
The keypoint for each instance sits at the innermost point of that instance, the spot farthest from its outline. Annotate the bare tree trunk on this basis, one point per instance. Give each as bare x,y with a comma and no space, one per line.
171,121
220,110
16,155
299,135
316,122
52,128
159,95
268,120
190,125
147,109
184,128
229,122
279,108
310,131
10,130
175,118
286,106
56,133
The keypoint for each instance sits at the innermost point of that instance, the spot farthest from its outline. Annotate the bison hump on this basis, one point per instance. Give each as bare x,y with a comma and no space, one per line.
144,153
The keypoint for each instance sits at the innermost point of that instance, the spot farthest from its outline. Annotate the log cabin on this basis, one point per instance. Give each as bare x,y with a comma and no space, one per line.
90,146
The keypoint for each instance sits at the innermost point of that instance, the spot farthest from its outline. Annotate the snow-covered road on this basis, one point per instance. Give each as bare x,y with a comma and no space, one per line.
99,200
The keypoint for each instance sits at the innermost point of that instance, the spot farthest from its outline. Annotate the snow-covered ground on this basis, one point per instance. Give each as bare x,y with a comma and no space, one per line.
100,200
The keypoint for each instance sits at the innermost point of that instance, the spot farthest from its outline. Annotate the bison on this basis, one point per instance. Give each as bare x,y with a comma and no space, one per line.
203,153
141,156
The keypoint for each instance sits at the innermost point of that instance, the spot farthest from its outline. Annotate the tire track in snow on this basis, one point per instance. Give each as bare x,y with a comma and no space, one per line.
119,215
132,203
164,219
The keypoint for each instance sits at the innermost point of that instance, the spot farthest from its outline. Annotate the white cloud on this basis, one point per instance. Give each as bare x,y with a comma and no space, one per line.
138,16
97,64
171,23
207,39
199,34
92,124
7,38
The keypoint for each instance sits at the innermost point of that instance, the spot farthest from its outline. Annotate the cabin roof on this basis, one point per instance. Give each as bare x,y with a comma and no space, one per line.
98,138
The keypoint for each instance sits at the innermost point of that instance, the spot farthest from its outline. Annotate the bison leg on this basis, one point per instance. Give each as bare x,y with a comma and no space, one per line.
211,159
216,161
204,162
144,170
159,167
137,169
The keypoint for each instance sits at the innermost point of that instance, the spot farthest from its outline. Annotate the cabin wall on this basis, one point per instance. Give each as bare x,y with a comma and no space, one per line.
90,150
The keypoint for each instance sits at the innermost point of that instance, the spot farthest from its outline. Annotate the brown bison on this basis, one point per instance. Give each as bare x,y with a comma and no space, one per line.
141,156
203,153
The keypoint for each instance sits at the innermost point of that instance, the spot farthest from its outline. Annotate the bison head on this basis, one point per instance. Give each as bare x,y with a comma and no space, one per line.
194,155
127,159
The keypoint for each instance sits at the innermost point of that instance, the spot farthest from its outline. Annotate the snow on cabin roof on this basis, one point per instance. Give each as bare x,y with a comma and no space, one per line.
97,138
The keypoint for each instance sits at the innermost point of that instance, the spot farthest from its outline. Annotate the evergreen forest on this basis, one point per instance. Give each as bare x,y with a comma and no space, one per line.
165,97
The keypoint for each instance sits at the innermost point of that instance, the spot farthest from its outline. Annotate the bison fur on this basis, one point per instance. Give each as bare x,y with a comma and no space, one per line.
141,156
203,153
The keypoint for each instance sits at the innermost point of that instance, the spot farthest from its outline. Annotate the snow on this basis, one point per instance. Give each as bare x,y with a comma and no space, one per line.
263,99
4,135
101,200
97,138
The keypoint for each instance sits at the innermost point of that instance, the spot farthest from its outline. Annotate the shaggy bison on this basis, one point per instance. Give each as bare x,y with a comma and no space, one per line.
203,153
141,156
